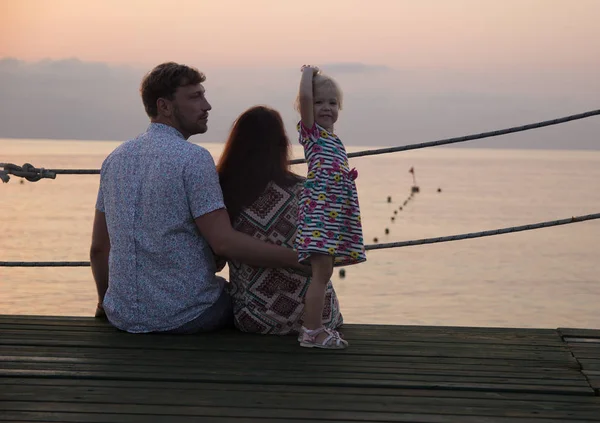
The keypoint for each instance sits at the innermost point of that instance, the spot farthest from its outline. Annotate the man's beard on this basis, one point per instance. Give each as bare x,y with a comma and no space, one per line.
185,125
181,123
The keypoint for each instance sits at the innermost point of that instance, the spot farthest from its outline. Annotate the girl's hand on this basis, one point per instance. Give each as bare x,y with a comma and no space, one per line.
353,174
308,68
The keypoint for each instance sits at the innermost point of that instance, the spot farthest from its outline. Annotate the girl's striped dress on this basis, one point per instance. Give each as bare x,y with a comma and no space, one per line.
328,214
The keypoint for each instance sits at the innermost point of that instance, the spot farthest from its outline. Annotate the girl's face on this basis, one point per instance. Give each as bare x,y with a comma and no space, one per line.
326,106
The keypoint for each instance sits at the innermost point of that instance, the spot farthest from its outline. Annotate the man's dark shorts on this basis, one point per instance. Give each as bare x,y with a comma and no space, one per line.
218,316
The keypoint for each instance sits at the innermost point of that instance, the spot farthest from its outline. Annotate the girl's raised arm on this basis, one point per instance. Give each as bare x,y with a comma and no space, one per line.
306,96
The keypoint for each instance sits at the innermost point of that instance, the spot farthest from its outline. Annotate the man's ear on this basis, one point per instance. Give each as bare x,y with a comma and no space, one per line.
164,107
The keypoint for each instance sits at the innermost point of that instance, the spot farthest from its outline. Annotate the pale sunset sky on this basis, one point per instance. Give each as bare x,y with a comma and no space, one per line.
411,69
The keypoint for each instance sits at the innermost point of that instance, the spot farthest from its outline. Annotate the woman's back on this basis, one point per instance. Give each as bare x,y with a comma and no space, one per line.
271,301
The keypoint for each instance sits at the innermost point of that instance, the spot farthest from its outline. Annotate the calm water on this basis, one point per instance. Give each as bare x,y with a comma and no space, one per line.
543,278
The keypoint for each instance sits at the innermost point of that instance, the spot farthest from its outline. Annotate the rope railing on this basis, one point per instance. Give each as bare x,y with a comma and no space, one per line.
468,137
34,174
44,264
547,224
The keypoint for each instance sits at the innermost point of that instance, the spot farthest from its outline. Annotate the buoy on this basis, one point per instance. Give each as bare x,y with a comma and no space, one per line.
375,239
393,218
342,273
395,211
400,208
389,199
387,231
414,188
405,202
439,190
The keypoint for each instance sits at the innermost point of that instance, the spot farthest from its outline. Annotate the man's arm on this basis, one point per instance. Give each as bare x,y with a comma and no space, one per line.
99,252
225,241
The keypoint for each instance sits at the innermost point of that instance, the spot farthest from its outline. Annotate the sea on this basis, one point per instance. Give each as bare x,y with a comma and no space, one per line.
545,278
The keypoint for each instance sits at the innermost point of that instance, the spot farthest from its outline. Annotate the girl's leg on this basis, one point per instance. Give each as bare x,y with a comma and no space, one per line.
322,269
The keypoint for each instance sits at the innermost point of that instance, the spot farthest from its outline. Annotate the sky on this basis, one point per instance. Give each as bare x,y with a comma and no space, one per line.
411,71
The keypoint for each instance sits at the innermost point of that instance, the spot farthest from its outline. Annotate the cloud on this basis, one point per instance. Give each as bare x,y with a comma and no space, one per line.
69,99
72,99
353,67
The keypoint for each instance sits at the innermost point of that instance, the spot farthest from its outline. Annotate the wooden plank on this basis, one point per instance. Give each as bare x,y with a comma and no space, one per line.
585,350
367,383
588,355
400,362
526,333
525,367
533,360
379,392
231,363
286,406
110,370
67,417
359,332
570,339
579,333
192,357
593,377
422,332
587,344
551,341
206,342
281,364
590,364
82,369
290,400
415,413
153,349
57,353
396,339
90,321
264,344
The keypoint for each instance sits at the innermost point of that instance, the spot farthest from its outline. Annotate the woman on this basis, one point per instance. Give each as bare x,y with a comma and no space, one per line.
261,195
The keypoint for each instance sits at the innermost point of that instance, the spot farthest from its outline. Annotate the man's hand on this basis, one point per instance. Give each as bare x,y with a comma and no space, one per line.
220,262
216,228
99,253
100,314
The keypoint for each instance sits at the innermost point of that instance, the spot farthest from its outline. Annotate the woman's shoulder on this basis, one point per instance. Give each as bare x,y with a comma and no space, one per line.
292,184
297,179
297,183
291,180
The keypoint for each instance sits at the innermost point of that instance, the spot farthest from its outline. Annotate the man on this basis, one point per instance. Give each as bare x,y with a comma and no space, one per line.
160,215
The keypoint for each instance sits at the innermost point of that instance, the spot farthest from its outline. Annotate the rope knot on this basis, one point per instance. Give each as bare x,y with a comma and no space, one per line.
29,168
27,171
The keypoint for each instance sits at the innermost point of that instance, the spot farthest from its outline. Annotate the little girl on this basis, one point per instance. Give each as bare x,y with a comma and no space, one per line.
329,229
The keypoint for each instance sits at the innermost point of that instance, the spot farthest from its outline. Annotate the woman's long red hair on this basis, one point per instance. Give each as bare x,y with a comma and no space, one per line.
257,152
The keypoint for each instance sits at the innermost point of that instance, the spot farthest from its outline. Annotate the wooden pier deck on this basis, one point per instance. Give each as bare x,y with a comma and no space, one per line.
69,369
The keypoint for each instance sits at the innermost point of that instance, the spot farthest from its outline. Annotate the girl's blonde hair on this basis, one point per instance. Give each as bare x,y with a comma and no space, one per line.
321,80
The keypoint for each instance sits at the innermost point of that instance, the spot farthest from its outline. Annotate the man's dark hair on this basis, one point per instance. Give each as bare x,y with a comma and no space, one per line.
163,81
